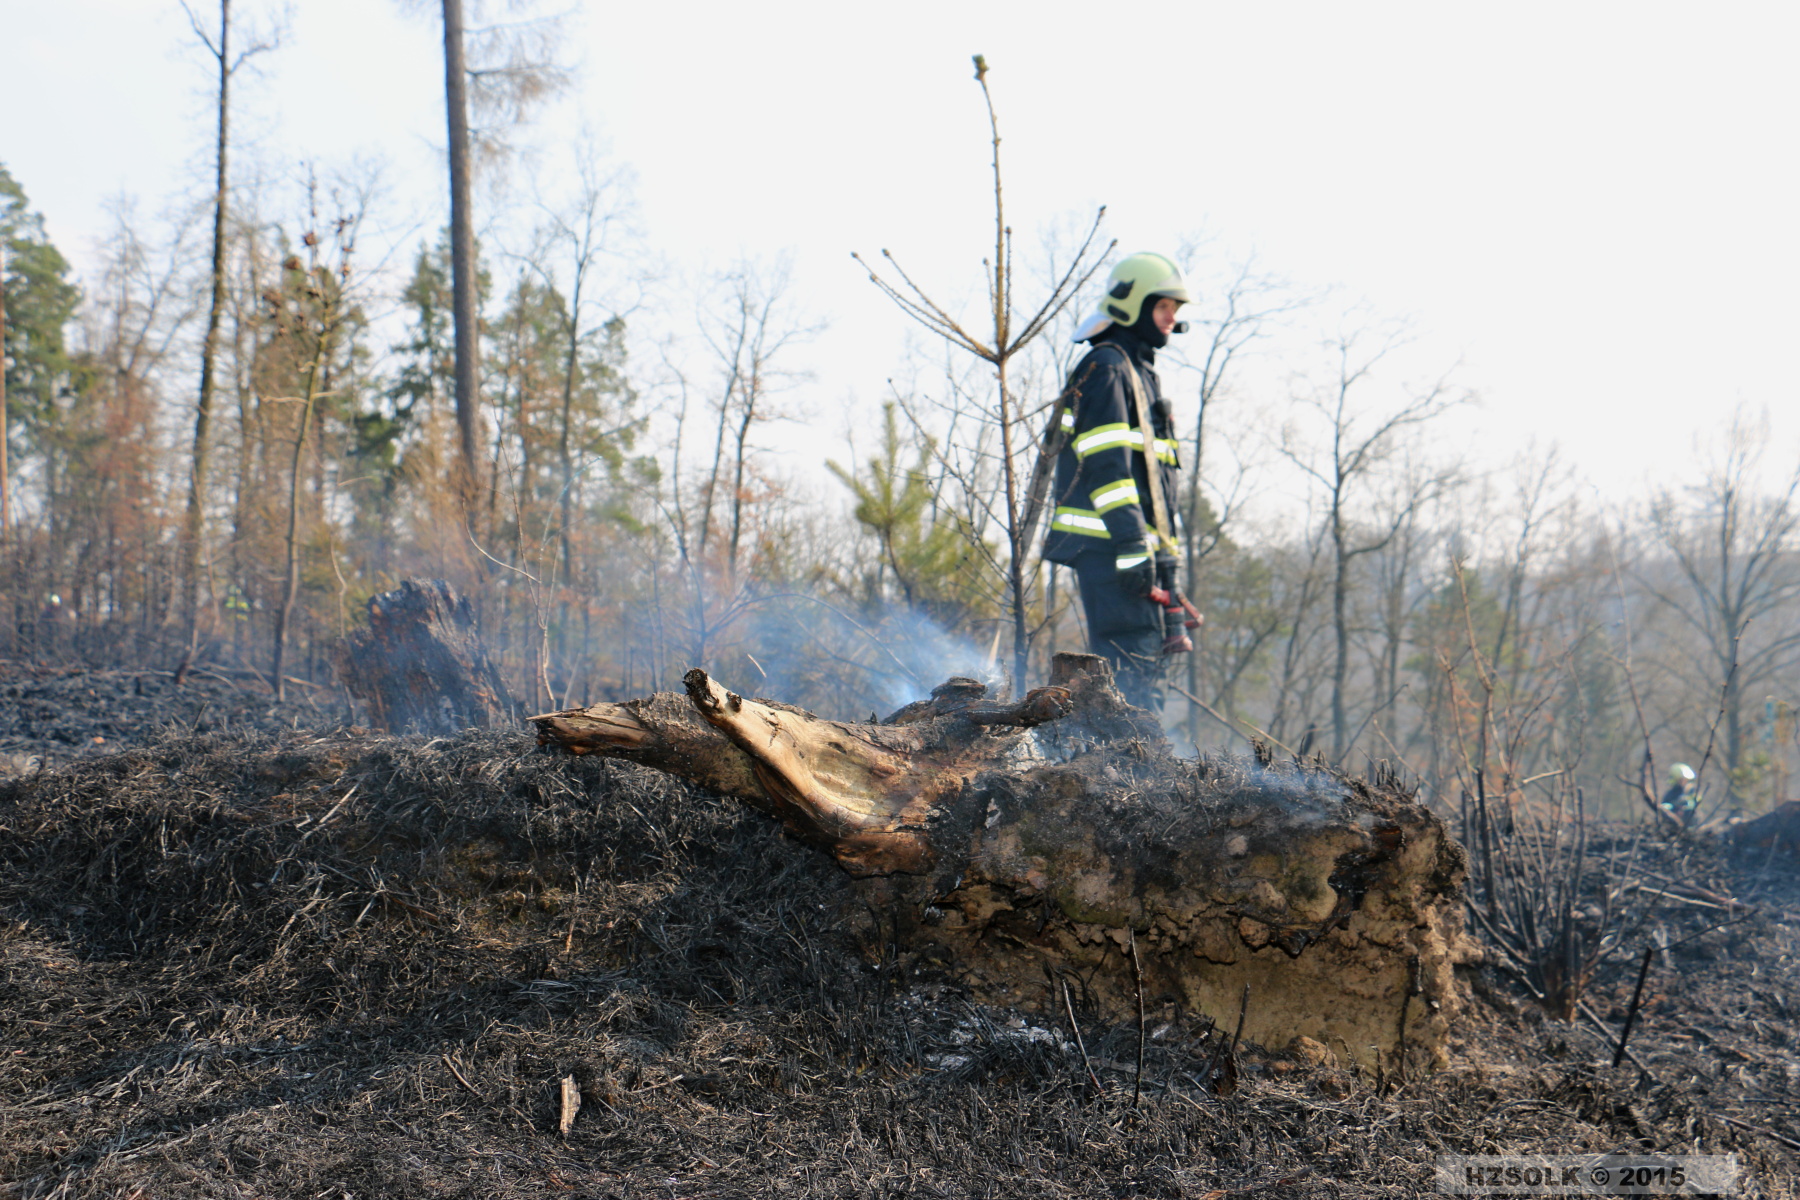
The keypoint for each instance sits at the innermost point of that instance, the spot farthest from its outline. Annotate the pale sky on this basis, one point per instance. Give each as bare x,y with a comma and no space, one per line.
1592,206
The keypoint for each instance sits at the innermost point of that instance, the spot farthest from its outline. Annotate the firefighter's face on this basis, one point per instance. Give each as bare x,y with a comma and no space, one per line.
1164,313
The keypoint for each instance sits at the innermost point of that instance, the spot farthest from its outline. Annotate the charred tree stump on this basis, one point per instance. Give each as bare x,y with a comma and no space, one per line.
1776,833
421,665
1029,843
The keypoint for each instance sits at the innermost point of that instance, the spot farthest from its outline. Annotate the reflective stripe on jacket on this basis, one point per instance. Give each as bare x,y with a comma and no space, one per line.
1101,497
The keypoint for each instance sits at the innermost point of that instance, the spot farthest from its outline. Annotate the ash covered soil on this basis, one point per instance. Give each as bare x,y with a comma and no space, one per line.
244,959
51,716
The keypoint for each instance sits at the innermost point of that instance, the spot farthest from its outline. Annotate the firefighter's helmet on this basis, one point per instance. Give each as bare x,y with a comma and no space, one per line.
1133,280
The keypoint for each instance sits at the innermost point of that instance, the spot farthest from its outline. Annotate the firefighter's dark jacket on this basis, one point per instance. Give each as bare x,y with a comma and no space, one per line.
1101,502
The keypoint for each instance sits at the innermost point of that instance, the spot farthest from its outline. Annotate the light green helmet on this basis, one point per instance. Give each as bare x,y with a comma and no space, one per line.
1131,281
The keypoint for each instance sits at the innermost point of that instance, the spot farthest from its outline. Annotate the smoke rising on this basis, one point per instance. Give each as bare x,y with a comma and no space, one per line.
845,665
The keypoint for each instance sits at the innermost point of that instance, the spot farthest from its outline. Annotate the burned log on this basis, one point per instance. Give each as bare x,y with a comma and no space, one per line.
421,664
1027,844
1775,834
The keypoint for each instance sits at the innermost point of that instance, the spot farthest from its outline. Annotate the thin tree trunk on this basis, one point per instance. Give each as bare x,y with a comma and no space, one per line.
1000,298
1340,625
5,468
194,527
565,496
462,251
512,376
291,587
731,386
712,480
241,500
1017,548
1731,700
737,480
1733,623
1191,546
1390,659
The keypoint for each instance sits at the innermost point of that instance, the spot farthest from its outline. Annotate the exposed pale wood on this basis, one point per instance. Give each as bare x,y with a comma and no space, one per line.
571,1104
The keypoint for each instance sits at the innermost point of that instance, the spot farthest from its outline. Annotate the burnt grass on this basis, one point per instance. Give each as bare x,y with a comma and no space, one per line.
50,716
257,960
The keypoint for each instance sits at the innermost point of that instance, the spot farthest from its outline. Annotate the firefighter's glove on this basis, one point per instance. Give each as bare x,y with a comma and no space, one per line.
1175,638
1137,573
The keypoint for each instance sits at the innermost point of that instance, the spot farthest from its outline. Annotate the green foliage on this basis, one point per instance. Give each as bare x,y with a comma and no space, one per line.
40,301
428,356
932,558
564,405
525,361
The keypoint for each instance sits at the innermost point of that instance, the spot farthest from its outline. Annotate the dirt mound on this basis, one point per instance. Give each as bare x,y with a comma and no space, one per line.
299,965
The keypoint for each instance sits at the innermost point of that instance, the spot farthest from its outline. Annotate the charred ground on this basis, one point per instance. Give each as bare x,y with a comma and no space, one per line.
50,716
256,961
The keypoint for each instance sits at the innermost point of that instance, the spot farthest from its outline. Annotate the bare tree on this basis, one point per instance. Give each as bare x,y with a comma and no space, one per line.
1730,577
1302,574
1357,444
748,331
228,63
1243,313
101,455
999,349
718,517
1392,586
312,327
584,236
5,433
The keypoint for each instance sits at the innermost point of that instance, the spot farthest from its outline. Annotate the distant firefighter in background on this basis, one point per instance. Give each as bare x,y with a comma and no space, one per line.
1682,798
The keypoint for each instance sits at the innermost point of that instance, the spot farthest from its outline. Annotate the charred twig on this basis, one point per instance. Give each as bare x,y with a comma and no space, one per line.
1213,1059
1069,1007
1137,978
459,1076
1631,1011
1768,1133
1601,1028
1733,906
1226,721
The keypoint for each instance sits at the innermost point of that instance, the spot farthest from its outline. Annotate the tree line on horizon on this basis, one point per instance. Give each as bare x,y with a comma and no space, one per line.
233,431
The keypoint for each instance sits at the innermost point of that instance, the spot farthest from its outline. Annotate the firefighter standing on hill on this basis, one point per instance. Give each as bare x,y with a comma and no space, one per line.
1107,523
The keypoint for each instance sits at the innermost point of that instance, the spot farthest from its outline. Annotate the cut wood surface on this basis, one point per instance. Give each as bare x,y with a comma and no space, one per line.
1025,844
421,665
